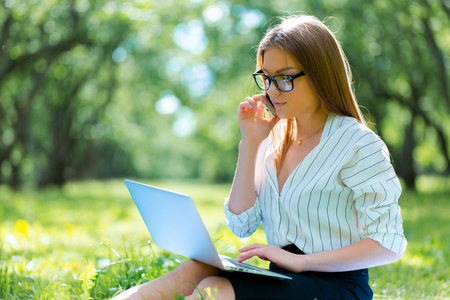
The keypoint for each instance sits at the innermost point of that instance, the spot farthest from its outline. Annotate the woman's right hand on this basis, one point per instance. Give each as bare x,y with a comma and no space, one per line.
254,127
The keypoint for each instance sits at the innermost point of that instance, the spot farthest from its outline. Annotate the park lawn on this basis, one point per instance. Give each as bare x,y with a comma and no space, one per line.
88,240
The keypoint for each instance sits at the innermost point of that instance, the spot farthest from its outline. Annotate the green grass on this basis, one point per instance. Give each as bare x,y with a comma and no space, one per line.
88,240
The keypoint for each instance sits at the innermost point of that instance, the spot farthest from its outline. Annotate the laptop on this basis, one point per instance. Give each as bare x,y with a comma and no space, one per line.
175,225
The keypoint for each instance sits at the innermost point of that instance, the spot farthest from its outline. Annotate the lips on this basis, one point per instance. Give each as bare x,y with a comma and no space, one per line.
277,104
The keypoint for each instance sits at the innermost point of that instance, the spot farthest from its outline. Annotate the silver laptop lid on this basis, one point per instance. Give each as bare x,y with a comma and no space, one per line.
174,222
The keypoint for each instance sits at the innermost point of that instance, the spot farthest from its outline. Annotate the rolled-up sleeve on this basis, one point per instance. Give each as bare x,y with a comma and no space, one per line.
376,190
246,223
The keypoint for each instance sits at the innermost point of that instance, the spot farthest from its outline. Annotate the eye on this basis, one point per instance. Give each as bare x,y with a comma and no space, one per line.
281,78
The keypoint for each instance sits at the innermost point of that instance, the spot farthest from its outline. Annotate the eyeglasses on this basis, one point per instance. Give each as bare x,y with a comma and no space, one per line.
284,83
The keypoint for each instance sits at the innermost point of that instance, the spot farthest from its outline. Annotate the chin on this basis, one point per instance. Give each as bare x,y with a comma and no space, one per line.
283,116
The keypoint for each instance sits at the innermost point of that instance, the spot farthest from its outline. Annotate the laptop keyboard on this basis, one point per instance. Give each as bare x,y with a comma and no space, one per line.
234,264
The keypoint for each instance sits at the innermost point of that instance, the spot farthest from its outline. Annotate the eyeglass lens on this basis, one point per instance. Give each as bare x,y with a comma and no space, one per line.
281,82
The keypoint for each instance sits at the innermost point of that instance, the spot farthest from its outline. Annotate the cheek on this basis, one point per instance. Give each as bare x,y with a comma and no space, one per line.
308,95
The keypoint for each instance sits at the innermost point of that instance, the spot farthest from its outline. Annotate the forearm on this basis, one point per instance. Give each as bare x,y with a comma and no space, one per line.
242,195
363,254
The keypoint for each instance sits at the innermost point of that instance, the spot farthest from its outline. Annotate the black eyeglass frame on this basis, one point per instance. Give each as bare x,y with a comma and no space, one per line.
272,79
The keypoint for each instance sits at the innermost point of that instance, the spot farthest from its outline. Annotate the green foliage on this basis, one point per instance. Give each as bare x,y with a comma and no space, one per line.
86,277
84,84
402,73
87,239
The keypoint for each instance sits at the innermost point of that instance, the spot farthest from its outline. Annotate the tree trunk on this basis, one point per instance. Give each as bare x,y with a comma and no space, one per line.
406,167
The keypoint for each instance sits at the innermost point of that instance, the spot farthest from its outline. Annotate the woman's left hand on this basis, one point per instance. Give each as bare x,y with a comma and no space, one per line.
282,258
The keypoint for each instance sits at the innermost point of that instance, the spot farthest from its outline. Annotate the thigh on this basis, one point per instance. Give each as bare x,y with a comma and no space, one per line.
307,285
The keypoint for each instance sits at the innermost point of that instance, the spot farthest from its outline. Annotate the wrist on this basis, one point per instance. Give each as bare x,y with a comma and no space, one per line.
305,263
250,146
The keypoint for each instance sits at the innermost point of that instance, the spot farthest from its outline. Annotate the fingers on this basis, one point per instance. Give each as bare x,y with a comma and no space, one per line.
251,103
253,123
257,103
247,255
251,247
261,98
247,106
244,257
252,250
264,100
259,252
282,258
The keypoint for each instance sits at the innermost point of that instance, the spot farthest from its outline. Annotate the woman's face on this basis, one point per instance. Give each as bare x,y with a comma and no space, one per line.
302,102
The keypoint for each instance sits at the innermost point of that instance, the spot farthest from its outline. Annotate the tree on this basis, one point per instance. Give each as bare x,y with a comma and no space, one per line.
50,53
94,89
401,68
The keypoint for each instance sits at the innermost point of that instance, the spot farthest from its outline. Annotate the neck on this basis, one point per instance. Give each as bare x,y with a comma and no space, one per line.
307,125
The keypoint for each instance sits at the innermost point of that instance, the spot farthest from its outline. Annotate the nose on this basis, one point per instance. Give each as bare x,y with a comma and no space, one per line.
273,91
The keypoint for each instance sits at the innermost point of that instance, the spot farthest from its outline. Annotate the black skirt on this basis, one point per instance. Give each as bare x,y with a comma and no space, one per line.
305,285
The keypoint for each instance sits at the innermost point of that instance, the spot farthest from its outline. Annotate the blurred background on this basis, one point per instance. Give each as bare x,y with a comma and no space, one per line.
150,89
92,92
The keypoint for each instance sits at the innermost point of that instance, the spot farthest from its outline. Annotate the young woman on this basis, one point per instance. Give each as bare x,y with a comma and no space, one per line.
320,182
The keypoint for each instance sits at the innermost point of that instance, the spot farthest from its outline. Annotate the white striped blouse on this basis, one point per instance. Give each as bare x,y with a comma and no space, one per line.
345,190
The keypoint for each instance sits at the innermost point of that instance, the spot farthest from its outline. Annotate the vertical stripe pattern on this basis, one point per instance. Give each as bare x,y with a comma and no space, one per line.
343,191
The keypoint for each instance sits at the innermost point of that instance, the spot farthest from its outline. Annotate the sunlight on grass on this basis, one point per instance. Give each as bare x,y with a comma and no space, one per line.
87,239
433,184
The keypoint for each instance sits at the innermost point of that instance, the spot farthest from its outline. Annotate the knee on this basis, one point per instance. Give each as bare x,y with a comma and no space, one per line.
214,287
209,284
197,268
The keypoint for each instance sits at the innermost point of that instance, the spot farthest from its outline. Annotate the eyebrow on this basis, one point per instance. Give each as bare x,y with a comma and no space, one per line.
280,70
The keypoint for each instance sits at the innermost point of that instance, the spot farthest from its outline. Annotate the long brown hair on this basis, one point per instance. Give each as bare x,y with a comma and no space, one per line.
316,48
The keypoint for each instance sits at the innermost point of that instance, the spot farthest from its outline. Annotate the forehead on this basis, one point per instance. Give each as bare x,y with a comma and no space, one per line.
276,59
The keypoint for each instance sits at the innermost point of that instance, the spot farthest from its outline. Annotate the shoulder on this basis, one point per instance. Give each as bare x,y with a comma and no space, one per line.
348,130
365,157
336,123
355,141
